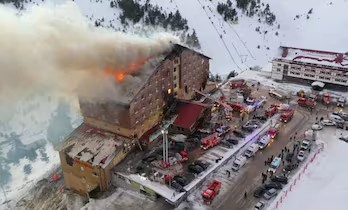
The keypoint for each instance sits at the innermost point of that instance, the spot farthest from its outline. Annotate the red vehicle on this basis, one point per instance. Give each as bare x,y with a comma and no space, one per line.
326,99
245,91
271,111
210,141
287,116
272,132
209,194
237,107
306,102
237,83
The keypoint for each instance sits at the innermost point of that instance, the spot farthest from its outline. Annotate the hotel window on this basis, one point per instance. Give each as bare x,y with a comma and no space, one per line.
279,64
320,77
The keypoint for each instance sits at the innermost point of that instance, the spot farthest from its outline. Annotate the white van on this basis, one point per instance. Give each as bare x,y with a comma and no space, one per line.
264,141
252,149
274,165
238,163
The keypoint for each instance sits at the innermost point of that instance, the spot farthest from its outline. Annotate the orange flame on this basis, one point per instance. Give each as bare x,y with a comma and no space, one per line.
119,74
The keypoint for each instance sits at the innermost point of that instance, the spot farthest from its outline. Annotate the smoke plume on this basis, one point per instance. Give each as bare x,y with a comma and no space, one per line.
56,48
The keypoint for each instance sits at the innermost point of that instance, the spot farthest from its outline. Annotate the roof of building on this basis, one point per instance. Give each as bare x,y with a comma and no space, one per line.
326,58
188,114
92,145
132,84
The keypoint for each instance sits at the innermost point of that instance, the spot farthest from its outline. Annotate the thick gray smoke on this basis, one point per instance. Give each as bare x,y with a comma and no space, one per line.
56,48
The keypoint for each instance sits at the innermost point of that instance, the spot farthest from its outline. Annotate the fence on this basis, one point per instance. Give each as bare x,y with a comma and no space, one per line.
295,179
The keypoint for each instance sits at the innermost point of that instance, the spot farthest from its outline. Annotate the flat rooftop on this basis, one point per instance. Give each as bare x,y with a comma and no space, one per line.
92,145
334,59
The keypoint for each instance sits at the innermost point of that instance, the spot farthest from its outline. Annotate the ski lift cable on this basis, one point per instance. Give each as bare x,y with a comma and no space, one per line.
240,39
223,41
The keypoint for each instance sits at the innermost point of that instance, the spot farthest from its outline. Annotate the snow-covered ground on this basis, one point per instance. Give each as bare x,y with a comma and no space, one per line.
324,185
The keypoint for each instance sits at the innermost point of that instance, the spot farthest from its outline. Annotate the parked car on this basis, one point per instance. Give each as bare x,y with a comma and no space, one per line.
305,145
336,118
270,194
345,138
233,141
177,186
317,126
341,126
280,179
328,123
289,157
261,117
227,144
202,163
249,127
196,169
288,168
275,185
259,206
239,133
259,192
180,180
301,155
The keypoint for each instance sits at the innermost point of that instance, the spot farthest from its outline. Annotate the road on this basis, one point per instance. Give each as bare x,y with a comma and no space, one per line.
251,179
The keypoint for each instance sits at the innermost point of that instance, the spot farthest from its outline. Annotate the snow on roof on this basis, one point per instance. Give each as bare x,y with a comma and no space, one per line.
92,145
334,59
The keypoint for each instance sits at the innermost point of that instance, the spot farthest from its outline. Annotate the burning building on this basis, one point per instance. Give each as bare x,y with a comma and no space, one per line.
112,126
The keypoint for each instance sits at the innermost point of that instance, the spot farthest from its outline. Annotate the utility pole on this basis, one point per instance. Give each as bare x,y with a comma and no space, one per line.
165,146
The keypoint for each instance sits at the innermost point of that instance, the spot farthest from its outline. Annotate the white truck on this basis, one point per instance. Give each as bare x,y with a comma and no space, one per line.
264,141
252,149
239,163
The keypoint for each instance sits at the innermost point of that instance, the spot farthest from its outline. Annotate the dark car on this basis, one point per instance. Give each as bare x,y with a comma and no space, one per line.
249,128
344,139
258,193
275,185
233,141
202,163
289,157
239,133
227,144
261,117
341,126
289,167
180,180
280,179
196,169
177,186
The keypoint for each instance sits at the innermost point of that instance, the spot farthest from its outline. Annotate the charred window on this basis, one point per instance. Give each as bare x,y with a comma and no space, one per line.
69,160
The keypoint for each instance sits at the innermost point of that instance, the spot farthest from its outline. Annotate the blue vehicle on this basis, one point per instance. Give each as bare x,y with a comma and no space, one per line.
274,165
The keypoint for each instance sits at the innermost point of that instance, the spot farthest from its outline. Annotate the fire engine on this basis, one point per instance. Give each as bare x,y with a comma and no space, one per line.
209,194
210,141
237,83
287,116
271,111
272,132
306,102
326,98
237,107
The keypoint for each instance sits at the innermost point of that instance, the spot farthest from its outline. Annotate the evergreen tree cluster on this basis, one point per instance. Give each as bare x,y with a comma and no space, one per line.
17,3
226,10
152,15
192,40
243,4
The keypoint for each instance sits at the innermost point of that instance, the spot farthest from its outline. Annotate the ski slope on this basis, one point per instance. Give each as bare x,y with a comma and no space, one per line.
324,185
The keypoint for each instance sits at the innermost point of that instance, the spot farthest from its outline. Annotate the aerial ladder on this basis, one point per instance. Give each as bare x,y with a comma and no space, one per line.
228,108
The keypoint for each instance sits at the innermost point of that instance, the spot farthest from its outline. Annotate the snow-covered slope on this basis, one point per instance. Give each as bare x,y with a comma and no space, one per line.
239,46
324,185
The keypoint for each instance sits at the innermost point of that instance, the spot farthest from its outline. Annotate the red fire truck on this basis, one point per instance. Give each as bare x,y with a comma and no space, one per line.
326,98
271,111
287,116
237,107
210,141
273,132
237,83
209,194
306,102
